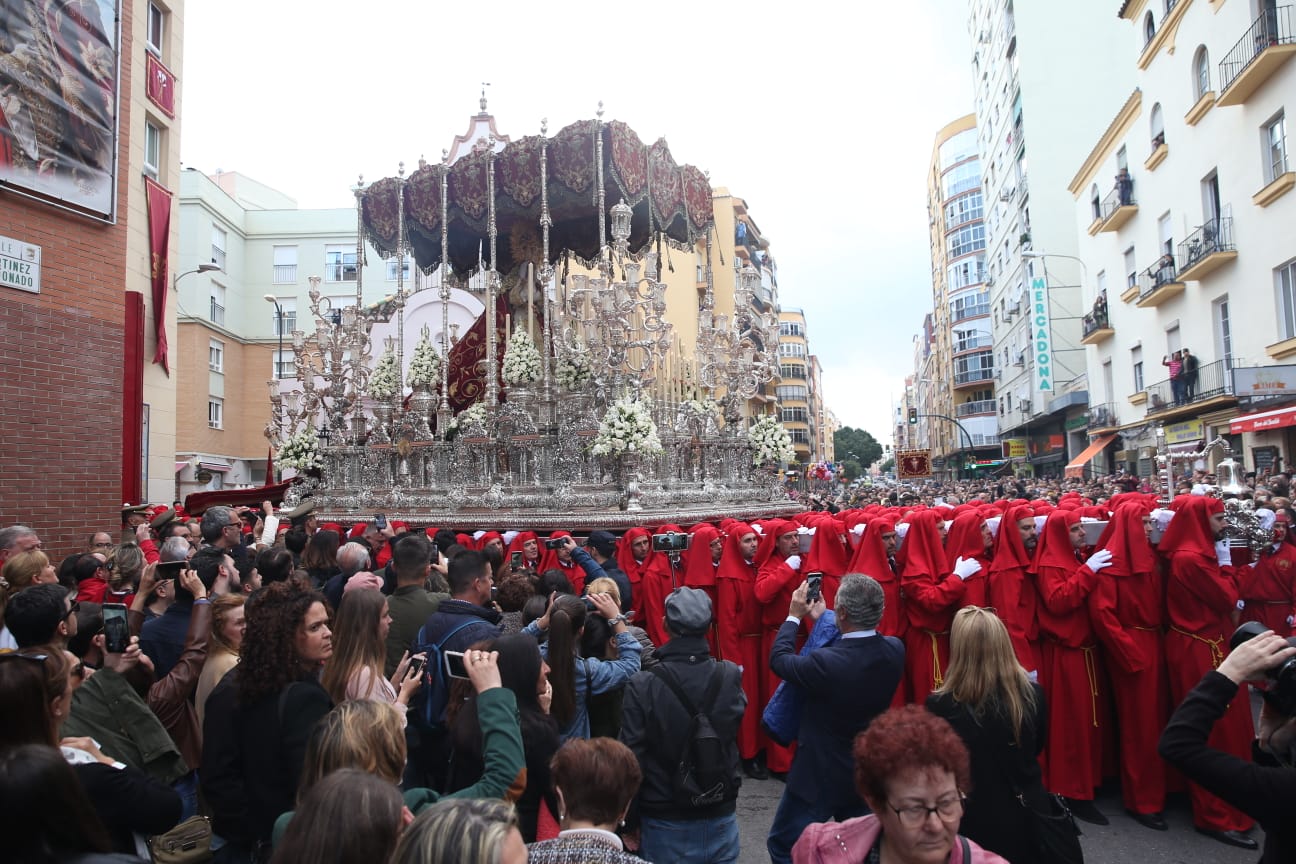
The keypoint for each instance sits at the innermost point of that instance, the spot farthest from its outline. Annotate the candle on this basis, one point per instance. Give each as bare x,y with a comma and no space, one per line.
508,324
530,289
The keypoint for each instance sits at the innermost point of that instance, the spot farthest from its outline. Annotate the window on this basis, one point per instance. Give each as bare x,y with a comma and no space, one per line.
1201,72
1136,363
1149,27
791,349
391,269
218,246
1109,389
966,240
961,178
284,325
1122,160
1275,138
1095,201
1173,340
284,364
1165,235
285,265
963,210
156,28
1131,268
792,415
1223,330
215,413
216,355
217,309
701,267
1285,278
791,370
792,393
340,264
1158,126
789,328
152,150
799,436
970,271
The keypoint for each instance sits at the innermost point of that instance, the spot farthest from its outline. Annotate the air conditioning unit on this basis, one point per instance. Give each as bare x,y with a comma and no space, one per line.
1025,406
1021,359
989,282
1014,307
1006,195
998,374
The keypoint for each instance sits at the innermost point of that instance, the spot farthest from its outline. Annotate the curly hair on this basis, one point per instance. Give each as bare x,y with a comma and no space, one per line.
269,660
903,739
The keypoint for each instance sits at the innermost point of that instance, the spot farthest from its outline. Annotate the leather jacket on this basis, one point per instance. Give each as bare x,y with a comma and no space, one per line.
171,698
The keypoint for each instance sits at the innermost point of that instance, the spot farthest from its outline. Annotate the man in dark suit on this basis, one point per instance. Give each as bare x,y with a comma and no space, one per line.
846,684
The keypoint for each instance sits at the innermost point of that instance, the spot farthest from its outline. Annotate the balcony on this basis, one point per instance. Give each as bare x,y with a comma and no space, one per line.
973,344
216,312
1265,46
973,377
1096,326
1118,207
972,409
1213,383
285,274
1103,417
1159,283
1207,249
978,310
1159,152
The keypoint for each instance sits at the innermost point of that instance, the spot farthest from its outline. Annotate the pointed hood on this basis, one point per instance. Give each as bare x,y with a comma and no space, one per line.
1055,549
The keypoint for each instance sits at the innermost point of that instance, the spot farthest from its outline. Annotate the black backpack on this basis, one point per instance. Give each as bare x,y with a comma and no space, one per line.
702,776
434,695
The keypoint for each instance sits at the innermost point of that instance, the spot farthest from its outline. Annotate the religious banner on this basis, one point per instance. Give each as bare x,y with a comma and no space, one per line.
59,68
160,86
159,222
913,464
1041,335
467,373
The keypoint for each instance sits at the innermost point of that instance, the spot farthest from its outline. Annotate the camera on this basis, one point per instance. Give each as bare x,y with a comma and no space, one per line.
814,588
671,542
555,542
1281,693
515,560
380,521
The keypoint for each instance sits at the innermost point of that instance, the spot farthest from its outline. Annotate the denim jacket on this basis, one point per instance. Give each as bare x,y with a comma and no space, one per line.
595,676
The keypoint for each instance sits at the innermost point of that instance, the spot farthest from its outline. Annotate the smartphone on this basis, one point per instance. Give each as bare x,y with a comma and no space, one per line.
455,666
515,560
416,665
169,570
814,590
116,630
380,521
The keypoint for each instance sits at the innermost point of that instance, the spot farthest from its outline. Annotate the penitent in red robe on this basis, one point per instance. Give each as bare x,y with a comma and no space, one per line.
775,582
932,594
738,631
1269,588
1126,608
1200,598
1012,590
1072,672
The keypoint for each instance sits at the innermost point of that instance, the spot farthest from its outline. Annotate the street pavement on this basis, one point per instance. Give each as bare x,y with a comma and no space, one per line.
1124,841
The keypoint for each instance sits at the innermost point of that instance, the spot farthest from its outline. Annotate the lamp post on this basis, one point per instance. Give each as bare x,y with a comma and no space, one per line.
270,298
201,268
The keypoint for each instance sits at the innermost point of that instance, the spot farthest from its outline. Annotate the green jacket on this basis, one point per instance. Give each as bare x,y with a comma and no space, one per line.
107,709
504,769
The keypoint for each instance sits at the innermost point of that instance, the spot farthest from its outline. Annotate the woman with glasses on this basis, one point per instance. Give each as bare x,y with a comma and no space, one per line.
912,770
999,713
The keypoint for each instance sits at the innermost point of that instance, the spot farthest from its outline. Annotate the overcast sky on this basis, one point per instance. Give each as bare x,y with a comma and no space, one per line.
820,115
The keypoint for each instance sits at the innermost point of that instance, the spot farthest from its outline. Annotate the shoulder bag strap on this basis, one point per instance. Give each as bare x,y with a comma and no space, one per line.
668,678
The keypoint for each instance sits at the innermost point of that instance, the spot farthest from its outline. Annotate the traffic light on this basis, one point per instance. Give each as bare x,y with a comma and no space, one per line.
913,416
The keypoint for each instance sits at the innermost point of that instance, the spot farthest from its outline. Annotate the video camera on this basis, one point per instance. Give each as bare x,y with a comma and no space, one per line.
555,542
1281,693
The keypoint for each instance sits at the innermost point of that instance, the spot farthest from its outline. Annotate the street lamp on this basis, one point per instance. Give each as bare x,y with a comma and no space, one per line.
270,298
201,268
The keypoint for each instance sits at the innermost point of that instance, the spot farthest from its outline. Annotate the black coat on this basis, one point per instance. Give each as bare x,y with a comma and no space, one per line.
128,800
993,817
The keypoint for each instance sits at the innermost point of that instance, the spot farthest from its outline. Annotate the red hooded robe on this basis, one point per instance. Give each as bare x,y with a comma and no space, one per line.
738,626
932,594
965,540
1012,591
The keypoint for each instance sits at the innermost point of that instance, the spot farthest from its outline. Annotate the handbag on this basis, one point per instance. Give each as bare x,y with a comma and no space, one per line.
187,843
1054,834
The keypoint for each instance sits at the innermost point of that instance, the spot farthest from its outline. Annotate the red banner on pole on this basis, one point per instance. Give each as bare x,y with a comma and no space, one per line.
161,86
467,371
159,217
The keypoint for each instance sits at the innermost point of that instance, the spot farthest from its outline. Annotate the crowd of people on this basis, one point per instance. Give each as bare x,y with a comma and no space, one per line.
926,670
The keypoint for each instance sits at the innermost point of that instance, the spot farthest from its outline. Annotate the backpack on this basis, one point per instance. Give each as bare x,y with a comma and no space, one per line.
434,695
702,776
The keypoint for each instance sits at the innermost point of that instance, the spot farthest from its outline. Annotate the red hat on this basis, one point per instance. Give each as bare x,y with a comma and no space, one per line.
1009,550
332,526
965,539
1055,548
357,530
732,563
1190,530
699,568
1125,538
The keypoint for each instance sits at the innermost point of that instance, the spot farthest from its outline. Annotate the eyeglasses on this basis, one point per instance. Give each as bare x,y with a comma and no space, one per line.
76,606
948,811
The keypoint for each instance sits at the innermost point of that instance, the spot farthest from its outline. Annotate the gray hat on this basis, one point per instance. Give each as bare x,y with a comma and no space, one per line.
604,542
688,612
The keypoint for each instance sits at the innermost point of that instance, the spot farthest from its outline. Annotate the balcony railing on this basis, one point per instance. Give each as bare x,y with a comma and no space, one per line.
1095,321
1103,416
973,343
1160,274
983,440
216,313
1215,236
285,274
1122,195
1211,380
977,310
971,376
1272,28
970,409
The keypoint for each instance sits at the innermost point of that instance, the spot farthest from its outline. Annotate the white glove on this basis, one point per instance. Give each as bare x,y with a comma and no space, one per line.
509,537
1291,619
858,530
1241,604
269,529
1224,553
1033,675
794,562
966,568
1098,560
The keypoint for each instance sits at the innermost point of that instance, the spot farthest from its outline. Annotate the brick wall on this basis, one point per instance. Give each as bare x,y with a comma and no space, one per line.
61,364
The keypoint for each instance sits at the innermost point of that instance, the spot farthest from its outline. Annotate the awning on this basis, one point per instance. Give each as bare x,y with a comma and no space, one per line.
180,466
1263,420
220,467
1075,468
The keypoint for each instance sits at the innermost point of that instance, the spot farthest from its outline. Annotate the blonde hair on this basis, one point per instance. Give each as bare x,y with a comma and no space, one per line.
128,564
222,606
18,573
464,830
604,585
983,671
362,733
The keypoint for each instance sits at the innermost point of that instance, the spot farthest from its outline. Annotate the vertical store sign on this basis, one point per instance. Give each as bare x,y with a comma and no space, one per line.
19,265
1041,335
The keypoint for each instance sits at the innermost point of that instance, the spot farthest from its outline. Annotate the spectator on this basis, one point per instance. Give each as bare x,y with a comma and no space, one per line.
275,564
355,670
594,781
320,558
411,604
163,638
370,809
466,831
42,615
351,558
228,625
45,814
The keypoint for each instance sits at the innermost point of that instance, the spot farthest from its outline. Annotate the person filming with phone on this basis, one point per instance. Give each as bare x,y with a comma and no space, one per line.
1264,789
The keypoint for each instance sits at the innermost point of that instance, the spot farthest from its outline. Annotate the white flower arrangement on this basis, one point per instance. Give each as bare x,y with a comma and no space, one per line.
574,369
770,442
385,378
627,427
300,452
521,359
425,367
473,415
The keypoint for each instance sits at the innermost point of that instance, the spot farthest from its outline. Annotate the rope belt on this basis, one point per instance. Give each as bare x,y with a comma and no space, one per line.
1091,670
1270,602
937,676
1217,653
1145,629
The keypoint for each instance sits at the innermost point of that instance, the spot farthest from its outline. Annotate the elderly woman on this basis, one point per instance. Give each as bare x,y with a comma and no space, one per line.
595,780
912,770
463,830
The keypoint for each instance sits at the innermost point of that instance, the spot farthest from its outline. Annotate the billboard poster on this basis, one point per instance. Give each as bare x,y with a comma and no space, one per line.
59,76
